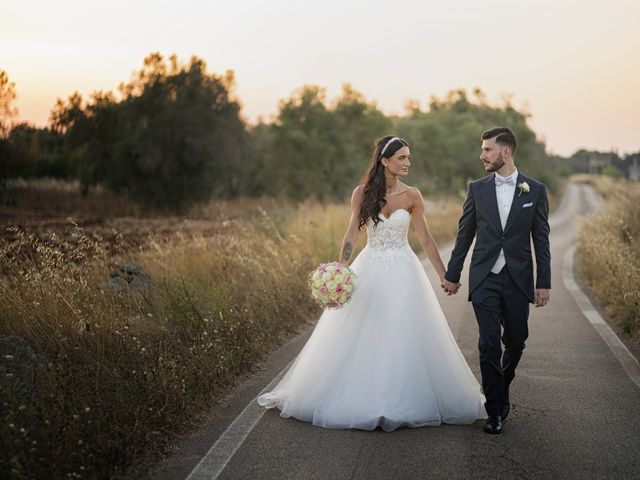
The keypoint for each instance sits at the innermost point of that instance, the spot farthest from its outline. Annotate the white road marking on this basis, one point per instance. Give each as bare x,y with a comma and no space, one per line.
625,357
216,459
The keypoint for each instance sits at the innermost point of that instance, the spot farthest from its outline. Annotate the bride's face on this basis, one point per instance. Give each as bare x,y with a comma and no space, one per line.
399,162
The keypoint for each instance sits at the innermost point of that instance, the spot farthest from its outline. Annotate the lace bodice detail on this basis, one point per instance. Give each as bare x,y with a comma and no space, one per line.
391,233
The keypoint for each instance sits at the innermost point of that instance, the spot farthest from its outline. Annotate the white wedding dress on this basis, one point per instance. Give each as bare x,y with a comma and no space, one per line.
388,357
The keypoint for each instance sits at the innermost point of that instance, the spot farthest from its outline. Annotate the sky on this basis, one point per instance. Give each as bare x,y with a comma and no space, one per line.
573,65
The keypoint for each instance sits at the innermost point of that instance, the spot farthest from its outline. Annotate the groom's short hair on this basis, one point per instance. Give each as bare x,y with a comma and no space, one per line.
504,136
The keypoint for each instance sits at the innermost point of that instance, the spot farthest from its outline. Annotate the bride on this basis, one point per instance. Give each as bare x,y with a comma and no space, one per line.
387,358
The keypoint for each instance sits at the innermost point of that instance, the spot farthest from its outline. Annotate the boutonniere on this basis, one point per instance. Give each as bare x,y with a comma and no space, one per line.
524,188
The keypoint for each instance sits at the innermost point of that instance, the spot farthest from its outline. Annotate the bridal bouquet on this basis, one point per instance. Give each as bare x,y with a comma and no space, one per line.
332,284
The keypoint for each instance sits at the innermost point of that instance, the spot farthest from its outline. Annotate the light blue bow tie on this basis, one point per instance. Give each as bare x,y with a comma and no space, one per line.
504,181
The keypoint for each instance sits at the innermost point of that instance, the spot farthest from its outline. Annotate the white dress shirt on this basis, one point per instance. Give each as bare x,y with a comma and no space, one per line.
504,195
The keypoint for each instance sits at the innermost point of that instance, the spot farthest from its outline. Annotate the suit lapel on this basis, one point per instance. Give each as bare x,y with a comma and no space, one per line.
489,195
516,205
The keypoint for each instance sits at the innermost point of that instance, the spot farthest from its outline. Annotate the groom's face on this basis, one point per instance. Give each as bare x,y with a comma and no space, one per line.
491,155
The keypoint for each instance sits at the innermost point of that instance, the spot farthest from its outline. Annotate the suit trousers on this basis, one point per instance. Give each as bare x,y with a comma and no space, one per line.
502,311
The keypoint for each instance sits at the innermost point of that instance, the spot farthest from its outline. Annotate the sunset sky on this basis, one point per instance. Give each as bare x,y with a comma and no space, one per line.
574,65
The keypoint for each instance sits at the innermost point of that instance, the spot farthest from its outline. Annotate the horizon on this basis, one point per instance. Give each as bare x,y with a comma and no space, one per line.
563,54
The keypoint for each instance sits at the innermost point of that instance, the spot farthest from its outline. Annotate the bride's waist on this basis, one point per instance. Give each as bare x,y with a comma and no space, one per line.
395,249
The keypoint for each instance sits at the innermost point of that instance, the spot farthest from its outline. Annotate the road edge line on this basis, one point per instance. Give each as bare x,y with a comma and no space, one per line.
629,363
222,451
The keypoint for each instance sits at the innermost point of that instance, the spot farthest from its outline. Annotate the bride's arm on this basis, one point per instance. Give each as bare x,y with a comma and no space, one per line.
427,242
351,237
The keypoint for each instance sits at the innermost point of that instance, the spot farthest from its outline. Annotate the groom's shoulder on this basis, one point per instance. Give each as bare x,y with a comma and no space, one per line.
484,179
533,182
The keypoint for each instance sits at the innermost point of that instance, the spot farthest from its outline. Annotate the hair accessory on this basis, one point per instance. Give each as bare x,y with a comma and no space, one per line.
393,139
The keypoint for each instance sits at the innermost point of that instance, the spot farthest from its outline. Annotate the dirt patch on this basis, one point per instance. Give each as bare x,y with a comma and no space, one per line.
47,207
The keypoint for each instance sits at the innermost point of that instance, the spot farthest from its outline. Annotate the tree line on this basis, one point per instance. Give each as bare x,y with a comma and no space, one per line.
174,135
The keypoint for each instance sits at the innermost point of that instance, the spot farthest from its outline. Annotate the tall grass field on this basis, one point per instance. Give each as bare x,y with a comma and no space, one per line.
609,251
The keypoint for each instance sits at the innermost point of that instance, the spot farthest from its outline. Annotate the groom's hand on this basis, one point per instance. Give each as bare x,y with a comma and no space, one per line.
450,288
542,297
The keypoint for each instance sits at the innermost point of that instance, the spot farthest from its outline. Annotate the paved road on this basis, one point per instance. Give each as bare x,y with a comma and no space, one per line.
576,411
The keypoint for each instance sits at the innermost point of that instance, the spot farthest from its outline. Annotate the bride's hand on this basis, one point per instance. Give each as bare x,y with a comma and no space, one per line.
450,288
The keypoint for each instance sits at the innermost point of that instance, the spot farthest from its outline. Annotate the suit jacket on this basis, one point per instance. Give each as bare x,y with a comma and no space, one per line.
527,220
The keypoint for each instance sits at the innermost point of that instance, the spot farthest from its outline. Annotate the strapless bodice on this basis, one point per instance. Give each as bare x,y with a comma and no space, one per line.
390,233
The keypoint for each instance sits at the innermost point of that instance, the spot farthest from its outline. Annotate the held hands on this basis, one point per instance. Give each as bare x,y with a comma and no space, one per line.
449,288
542,297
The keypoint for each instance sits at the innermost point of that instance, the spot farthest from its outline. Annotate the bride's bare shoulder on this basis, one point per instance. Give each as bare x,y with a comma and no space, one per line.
358,192
413,192
357,196
415,198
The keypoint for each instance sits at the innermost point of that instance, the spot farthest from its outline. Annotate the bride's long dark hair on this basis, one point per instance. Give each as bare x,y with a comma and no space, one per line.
375,185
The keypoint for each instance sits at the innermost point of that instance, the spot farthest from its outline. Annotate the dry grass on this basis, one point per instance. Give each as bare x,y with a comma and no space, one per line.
609,251
126,371
122,373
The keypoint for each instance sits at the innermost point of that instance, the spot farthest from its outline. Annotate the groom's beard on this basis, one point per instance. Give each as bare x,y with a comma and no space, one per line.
497,165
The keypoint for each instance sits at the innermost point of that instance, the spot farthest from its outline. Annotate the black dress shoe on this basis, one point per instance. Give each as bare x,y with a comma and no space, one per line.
505,411
493,425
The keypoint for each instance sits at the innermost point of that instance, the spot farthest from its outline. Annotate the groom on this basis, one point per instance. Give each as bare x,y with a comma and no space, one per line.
504,211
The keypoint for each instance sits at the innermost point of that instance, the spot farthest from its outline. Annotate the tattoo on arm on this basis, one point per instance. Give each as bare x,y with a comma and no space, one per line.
347,250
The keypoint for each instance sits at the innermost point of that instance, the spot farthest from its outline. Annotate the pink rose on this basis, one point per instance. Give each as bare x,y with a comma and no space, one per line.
339,289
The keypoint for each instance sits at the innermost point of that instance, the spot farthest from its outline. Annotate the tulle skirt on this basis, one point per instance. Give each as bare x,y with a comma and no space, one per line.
387,358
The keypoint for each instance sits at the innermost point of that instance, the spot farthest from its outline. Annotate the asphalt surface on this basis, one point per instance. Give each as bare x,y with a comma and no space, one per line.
575,415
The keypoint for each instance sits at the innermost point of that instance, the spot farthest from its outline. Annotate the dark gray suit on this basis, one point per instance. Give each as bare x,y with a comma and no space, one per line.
502,299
